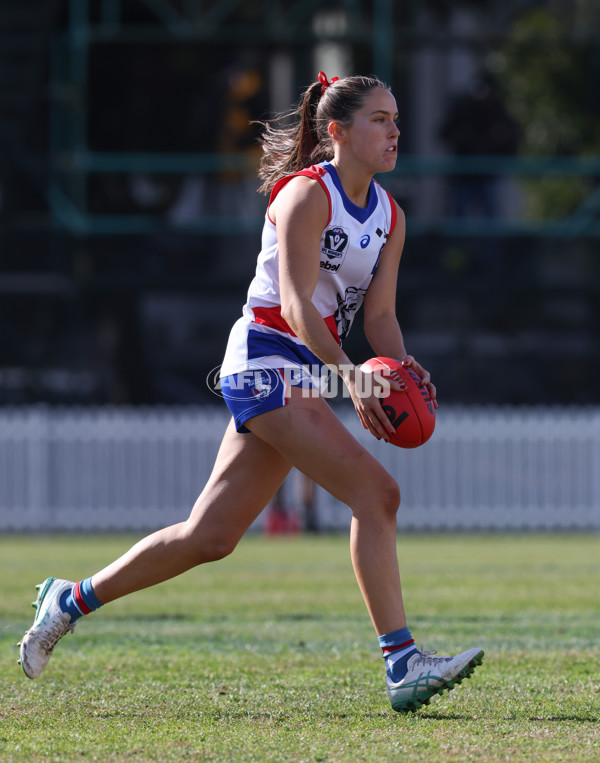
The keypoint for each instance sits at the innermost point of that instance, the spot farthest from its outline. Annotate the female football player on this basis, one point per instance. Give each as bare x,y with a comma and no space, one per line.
332,241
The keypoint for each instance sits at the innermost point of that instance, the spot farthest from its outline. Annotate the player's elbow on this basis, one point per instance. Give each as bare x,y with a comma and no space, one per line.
292,314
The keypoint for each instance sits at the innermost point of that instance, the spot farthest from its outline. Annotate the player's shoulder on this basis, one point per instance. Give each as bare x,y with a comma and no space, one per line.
399,213
303,184
302,190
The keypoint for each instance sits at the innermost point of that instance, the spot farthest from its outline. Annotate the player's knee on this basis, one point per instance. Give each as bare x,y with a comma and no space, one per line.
389,496
217,549
381,499
206,547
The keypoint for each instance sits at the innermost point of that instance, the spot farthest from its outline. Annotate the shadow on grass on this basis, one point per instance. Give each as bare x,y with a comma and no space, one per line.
563,718
166,617
544,719
445,716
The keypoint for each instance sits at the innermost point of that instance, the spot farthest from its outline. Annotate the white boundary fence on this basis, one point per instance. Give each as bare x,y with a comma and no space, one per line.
138,469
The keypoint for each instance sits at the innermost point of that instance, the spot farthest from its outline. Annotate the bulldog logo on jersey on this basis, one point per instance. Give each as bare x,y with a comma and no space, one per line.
347,307
335,244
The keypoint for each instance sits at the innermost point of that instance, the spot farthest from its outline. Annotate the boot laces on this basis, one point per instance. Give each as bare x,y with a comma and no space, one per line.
426,656
54,633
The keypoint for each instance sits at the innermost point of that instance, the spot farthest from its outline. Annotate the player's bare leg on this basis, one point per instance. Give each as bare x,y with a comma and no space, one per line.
246,474
320,446
309,435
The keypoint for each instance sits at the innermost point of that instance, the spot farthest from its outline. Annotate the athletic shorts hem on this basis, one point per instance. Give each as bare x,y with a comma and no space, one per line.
252,392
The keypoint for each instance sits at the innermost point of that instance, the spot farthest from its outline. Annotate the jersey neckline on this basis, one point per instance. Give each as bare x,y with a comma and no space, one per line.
361,214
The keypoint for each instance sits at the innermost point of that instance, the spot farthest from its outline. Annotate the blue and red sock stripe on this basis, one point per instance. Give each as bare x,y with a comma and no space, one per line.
79,600
390,649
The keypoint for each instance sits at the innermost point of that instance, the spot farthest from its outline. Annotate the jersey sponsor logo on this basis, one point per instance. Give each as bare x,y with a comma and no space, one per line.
364,242
330,266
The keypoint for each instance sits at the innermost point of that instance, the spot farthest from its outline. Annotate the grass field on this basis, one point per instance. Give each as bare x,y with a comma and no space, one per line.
269,655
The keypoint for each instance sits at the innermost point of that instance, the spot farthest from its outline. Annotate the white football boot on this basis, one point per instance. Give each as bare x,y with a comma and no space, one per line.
428,675
49,626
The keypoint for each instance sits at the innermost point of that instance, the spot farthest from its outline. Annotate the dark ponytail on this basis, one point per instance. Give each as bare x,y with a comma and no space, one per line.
306,141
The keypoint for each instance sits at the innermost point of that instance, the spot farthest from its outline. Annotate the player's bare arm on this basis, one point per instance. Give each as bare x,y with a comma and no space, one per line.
381,325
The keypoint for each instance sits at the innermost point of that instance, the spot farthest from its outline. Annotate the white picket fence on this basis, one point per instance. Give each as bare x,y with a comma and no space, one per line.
138,469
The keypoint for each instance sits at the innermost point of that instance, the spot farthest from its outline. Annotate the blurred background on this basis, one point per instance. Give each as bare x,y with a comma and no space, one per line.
130,221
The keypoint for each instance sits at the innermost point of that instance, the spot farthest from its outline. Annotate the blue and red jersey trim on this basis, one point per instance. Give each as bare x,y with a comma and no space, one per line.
272,318
316,172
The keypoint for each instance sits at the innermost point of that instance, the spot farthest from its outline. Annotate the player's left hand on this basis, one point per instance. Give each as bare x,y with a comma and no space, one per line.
425,376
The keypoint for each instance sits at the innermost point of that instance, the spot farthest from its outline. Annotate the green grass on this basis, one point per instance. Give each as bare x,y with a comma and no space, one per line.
269,655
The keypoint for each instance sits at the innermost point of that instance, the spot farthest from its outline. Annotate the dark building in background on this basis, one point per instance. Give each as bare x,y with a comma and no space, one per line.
130,222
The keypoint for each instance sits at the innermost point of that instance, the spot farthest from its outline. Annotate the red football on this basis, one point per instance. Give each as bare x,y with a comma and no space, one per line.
411,412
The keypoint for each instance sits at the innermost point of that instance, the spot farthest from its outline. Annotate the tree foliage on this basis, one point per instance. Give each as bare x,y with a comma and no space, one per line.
551,84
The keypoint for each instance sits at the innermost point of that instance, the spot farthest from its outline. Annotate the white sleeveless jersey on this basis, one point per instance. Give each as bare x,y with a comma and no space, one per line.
351,244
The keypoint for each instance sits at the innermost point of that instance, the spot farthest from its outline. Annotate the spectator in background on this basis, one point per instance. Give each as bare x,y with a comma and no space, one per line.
478,124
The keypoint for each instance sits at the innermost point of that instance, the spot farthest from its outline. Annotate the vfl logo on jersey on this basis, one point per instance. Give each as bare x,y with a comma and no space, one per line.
333,249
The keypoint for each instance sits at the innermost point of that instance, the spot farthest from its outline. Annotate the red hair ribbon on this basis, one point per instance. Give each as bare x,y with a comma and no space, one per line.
325,82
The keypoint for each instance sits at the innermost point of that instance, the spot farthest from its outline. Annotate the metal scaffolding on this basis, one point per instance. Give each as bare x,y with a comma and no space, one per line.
370,26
